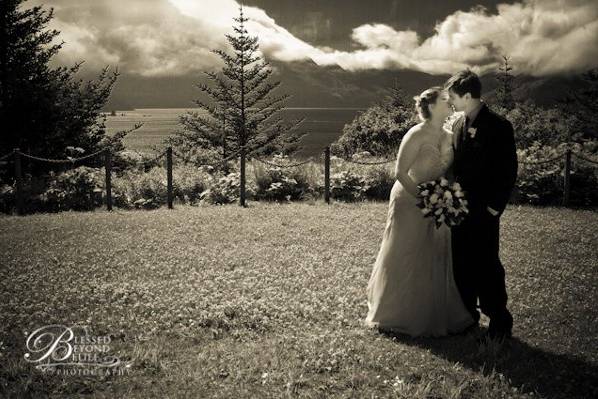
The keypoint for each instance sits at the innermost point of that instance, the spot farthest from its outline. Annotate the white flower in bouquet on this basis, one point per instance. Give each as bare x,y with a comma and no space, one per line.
443,201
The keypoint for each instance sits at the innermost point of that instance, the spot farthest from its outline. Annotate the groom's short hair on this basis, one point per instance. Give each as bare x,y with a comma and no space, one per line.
465,82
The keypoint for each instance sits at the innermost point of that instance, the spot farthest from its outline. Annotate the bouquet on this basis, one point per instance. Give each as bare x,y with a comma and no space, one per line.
443,201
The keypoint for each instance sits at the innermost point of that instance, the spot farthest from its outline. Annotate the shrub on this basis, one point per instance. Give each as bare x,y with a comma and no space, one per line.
380,180
225,189
76,189
189,182
379,129
7,198
542,184
348,186
140,190
281,184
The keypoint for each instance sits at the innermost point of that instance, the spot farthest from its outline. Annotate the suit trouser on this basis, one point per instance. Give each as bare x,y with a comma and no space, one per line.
477,268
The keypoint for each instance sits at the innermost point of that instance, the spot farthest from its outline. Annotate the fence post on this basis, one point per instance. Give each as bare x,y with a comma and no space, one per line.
108,166
19,181
169,175
327,175
567,178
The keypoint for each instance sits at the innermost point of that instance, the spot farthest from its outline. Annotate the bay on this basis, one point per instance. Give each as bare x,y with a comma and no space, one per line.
322,126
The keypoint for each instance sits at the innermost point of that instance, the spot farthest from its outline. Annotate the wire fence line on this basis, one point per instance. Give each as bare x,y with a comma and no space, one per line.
17,155
310,159
235,155
10,154
358,162
582,157
544,161
61,161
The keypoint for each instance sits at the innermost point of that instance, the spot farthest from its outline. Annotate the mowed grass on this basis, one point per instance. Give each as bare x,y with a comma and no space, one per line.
268,301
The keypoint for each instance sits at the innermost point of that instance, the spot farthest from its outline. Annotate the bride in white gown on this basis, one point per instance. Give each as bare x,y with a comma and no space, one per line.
411,289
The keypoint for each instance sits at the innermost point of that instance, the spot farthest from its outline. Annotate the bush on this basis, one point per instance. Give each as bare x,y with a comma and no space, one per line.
7,198
225,189
281,184
379,129
348,186
189,182
140,190
380,180
76,189
542,184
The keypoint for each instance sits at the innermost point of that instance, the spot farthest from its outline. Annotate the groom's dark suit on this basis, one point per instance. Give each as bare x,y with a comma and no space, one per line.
486,167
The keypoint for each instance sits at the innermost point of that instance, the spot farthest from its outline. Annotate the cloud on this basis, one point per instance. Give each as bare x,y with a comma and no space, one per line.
175,37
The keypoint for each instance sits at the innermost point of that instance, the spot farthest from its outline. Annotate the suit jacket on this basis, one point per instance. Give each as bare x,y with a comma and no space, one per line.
485,165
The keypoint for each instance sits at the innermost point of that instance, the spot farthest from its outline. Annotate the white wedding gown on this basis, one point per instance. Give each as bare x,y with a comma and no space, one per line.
411,289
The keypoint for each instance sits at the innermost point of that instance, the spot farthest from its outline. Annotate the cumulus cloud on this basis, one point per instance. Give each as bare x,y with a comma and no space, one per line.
175,37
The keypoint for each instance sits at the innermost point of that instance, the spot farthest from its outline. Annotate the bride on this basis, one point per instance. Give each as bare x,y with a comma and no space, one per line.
411,289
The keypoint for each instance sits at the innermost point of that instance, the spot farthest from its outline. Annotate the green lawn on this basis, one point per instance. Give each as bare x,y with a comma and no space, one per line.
268,302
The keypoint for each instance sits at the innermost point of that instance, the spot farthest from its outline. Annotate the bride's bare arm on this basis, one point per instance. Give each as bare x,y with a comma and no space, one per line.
406,156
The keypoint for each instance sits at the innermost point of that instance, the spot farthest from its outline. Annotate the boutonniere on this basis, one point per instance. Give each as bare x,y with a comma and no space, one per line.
472,131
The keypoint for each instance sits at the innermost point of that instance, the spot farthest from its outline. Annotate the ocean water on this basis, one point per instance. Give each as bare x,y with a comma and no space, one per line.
322,125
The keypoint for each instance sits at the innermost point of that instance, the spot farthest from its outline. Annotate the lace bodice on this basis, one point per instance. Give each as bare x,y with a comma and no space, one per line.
431,162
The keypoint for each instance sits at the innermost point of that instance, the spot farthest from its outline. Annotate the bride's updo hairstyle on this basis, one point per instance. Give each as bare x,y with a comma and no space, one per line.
423,101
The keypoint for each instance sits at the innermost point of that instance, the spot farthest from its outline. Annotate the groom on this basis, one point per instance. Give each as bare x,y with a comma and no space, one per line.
486,167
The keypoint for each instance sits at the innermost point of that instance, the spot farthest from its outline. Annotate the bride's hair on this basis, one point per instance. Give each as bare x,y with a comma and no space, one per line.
423,101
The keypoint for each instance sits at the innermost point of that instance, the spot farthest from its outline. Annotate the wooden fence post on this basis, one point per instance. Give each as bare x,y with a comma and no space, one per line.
567,178
108,166
242,177
169,175
19,181
327,175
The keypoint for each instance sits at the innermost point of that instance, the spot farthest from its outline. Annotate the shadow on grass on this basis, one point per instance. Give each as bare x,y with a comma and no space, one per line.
528,368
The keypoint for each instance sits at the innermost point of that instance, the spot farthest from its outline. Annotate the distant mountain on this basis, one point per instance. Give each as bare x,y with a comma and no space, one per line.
316,86
545,91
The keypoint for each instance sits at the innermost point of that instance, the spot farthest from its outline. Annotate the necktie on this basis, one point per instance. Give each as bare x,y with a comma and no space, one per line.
465,128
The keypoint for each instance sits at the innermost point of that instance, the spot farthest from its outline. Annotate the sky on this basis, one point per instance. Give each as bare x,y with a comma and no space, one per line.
175,37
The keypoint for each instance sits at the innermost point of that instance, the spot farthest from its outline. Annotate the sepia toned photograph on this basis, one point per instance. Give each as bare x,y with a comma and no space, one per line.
299,199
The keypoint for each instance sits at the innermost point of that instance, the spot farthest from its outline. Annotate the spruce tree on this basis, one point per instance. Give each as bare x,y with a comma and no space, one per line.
504,91
44,110
242,112
583,105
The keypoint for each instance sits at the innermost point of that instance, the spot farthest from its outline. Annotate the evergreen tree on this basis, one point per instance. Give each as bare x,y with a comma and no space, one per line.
43,110
504,91
583,105
242,114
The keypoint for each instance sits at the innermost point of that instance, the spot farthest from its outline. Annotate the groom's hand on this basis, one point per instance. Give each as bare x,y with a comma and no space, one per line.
492,211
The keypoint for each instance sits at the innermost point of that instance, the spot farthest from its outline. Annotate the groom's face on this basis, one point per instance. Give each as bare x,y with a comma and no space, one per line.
457,102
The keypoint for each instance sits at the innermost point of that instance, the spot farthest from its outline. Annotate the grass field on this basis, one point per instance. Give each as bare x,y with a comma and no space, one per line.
268,302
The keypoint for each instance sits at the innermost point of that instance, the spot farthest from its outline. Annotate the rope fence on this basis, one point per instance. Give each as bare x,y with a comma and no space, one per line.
59,161
310,159
583,158
17,157
363,162
544,161
10,154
